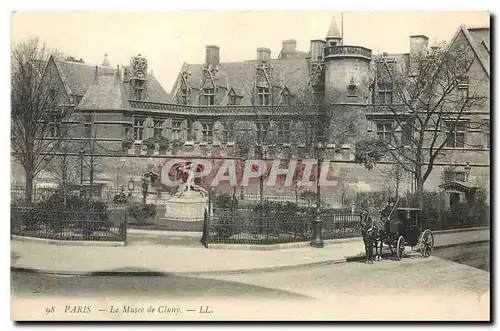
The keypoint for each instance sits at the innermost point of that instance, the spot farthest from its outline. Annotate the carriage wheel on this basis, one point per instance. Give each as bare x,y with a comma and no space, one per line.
400,248
426,243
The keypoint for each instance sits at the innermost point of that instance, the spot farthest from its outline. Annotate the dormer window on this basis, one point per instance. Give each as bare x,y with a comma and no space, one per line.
234,100
263,96
463,87
209,96
286,97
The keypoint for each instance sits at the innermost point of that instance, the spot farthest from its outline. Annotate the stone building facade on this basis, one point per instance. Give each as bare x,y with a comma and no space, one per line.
127,103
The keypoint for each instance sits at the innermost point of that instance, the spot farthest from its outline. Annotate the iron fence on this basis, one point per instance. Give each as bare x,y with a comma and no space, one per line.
244,226
109,224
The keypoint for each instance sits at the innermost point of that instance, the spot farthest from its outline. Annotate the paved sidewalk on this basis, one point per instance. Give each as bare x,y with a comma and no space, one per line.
151,258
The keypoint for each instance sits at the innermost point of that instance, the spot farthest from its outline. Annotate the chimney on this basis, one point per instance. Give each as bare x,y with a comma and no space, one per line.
263,54
418,44
316,49
289,46
212,59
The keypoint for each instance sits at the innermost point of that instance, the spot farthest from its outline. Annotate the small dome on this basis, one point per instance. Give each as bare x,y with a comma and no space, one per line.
105,62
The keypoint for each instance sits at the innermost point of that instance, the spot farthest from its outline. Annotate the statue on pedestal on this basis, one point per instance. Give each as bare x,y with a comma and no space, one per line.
189,184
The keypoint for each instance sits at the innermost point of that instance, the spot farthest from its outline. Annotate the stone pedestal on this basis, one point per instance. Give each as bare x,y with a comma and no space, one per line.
190,207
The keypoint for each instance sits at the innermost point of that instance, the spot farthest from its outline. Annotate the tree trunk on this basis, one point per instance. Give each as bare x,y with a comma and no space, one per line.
65,178
420,193
29,186
261,188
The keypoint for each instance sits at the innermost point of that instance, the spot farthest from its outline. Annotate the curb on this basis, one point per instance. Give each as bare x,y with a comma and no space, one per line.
182,273
69,242
347,259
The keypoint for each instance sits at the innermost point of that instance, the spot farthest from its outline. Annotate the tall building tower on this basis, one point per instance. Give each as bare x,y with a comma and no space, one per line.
347,69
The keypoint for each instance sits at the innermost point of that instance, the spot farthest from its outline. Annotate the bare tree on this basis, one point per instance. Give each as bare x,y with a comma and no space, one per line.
394,174
431,98
40,108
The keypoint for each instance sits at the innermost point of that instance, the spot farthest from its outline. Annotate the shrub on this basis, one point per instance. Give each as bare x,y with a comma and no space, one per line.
141,213
150,143
127,143
163,143
229,219
79,212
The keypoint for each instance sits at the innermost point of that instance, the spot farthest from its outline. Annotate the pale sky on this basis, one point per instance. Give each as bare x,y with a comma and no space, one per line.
168,39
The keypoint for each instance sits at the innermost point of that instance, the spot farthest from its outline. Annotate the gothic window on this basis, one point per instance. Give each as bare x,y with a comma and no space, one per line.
176,130
286,98
52,94
384,94
406,134
88,130
184,93
54,125
234,99
284,132
455,134
384,131
209,96
225,135
263,96
463,87
139,128
206,131
262,129
158,128
487,133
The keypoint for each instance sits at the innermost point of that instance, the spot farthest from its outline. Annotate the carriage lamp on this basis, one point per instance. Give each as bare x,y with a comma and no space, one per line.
467,171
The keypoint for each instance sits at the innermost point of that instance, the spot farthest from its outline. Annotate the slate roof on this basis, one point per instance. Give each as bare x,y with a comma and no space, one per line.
292,73
476,37
104,90
104,93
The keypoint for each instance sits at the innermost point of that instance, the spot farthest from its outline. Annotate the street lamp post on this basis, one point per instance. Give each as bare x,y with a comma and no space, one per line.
317,240
130,187
467,169
122,164
82,150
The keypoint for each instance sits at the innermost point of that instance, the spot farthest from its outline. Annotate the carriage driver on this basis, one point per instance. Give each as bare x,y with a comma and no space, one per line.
386,212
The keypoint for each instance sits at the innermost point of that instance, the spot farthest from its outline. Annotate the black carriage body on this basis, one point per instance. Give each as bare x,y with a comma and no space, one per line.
406,224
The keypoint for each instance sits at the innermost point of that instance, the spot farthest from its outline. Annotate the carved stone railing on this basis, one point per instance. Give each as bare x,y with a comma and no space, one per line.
221,110
347,51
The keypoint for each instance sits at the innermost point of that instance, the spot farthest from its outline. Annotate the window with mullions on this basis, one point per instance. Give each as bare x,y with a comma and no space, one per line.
284,132
262,130
54,125
463,87
384,94
176,130
139,128
206,131
384,131
209,96
158,128
455,134
487,133
263,96
406,134
184,96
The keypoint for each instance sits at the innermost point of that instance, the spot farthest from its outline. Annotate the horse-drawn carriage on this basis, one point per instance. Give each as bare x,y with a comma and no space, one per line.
404,229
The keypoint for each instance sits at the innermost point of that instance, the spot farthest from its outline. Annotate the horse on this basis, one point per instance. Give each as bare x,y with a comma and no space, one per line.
372,233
